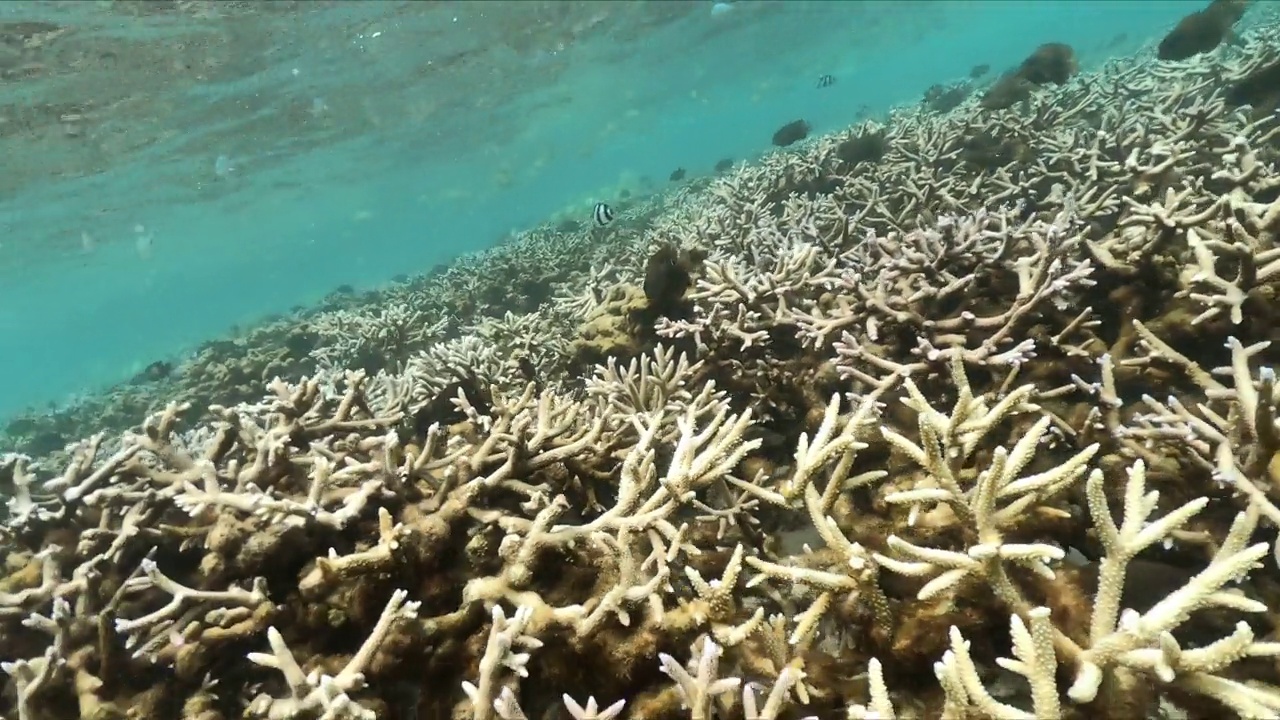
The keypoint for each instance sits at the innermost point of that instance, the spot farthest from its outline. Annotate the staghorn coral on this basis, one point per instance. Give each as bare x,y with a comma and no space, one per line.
385,329
924,434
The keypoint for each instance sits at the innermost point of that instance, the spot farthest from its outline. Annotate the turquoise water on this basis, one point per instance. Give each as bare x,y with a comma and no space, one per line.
364,140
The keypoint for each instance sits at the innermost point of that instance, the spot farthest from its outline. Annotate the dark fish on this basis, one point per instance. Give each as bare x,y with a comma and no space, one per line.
1259,89
1050,63
792,132
603,214
979,70
1201,31
442,409
154,372
826,81
942,99
678,174
667,276
724,165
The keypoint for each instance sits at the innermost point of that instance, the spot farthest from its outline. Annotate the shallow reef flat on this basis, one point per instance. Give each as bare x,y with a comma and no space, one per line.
962,414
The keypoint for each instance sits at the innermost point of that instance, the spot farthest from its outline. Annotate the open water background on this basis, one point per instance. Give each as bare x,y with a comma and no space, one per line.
170,170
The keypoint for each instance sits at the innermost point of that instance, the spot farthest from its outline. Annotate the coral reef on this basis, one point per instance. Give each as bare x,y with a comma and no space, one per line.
369,331
965,415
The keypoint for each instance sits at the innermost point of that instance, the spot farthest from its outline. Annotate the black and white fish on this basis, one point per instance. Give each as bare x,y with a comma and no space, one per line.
826,81
604,214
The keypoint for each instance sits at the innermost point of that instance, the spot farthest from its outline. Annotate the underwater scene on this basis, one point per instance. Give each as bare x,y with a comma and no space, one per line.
737,360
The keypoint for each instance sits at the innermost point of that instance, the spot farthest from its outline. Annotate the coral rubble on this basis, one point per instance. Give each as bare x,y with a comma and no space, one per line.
967,414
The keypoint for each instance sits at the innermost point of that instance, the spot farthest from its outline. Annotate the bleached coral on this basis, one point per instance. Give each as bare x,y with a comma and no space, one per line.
984,378
326,696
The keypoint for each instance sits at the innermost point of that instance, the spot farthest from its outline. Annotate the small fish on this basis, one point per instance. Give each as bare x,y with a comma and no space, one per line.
826,81
604,214
223,167
142,241
143,244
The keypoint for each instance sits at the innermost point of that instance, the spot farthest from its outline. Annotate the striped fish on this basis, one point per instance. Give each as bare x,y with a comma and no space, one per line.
604,214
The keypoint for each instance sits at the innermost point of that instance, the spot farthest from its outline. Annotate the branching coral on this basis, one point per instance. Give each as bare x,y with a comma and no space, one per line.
989,414
320,694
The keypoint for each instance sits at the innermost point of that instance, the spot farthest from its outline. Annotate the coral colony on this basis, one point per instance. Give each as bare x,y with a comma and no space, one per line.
967,414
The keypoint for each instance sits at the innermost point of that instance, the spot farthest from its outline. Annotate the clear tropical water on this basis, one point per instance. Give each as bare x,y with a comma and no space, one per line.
170,170
419,360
